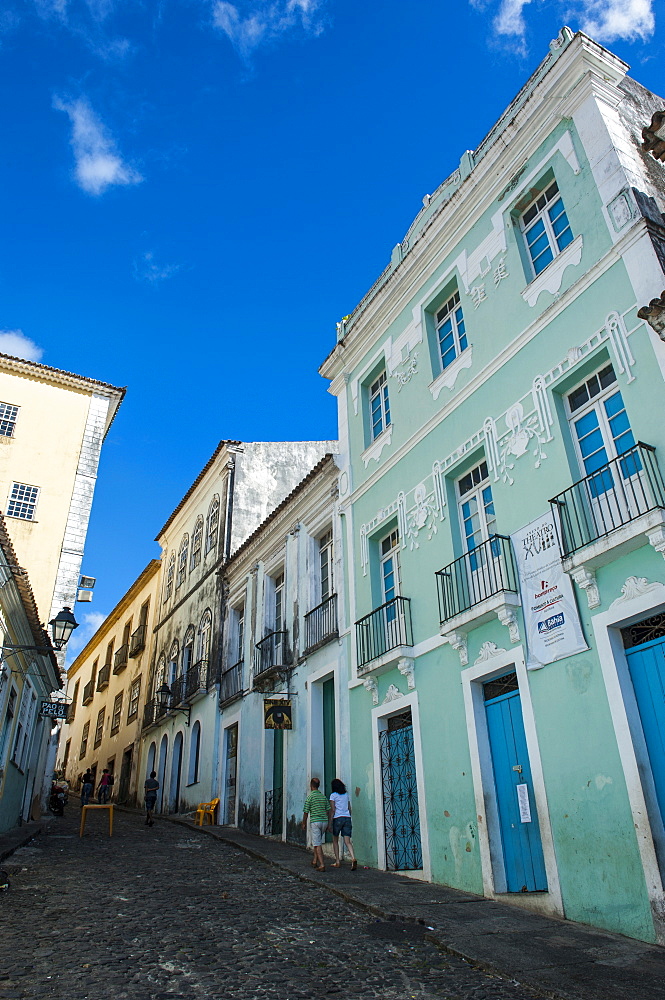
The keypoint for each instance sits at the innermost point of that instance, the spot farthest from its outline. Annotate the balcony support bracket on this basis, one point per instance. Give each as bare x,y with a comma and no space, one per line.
508,617
657,539
458,641
406,669
585,578
370,684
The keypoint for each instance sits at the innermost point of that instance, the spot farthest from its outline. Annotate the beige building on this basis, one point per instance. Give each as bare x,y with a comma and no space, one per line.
107,683
52,426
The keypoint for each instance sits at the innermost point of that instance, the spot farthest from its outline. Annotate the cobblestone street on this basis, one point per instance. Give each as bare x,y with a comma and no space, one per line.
170,913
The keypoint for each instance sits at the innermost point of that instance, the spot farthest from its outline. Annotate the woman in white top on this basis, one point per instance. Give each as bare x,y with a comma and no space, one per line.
340,819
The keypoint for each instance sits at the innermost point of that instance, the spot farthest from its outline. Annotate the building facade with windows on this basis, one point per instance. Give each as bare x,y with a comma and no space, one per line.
27,678
496,391
107,684
240,485
284,660
52,426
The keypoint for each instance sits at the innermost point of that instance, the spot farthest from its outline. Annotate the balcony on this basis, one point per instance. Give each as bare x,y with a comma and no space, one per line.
178,691
382,635
271,657
149,715
121,658
480,585
616,509
103,677
137,640
196,681
88,692
321,624
231,686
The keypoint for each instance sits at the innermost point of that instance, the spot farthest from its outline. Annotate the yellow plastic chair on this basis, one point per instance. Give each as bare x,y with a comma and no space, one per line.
207,810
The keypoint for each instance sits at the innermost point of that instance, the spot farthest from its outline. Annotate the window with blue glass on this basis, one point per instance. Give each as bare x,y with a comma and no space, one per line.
476,511
379,406
546,228
602,432
450,330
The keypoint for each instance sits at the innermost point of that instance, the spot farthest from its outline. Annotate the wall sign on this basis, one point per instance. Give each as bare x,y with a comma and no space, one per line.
552,622
277,714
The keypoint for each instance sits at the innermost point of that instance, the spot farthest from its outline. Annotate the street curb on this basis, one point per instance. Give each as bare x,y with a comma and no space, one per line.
376,911
20,837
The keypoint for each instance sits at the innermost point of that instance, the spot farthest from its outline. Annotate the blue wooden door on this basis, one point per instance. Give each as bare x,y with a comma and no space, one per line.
520,833
647,670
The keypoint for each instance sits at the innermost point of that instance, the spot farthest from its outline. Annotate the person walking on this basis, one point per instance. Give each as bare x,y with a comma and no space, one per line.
317,808
104,787
340,816
87,787
151,787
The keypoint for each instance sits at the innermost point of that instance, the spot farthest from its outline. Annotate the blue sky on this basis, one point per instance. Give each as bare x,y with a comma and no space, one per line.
195,191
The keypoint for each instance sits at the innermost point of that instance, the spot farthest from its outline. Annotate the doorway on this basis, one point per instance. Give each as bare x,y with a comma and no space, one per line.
231,774
644,643
161,770
125,775
401,815
176,774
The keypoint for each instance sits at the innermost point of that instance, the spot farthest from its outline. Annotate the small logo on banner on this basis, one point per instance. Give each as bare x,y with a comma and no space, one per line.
554,622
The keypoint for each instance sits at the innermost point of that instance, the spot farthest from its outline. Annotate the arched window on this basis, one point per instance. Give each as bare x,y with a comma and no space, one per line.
152,753
160,675
194,753
172,671
187,650
170,572
183,552
203,644
212,528
197,542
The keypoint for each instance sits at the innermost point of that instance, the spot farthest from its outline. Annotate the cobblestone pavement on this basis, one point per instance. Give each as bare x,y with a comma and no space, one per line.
168,914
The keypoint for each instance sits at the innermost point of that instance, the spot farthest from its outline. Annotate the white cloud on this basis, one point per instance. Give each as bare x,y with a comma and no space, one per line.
16,343
609,20
256,23
98,164
91,621
146,268
510,19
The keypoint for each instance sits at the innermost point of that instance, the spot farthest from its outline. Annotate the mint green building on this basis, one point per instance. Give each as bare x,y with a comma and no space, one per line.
502,504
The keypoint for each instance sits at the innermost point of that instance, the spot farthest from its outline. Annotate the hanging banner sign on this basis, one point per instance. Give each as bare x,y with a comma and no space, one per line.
56,709
553,628
277,714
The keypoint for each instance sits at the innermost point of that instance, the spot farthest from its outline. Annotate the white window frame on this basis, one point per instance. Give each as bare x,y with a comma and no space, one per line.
378,389
594,403
99,728
543,213
134,699
183,556
212,525
475,491
203,635
391,553
449,311
25,725
117,712
9,419
197,543
326,563
170,574
26,503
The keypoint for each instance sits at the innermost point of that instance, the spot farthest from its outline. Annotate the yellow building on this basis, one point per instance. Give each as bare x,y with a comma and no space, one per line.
52,426
107,682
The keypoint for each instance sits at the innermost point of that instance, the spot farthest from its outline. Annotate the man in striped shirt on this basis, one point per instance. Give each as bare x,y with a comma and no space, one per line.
318,809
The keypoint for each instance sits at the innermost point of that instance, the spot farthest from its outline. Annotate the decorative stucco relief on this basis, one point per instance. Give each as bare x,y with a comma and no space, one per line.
487,651
635,586
551,279
405,376
448,377
392,694
371,685
524,428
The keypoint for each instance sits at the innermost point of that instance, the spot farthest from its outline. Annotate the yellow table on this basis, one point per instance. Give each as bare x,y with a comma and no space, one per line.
84,811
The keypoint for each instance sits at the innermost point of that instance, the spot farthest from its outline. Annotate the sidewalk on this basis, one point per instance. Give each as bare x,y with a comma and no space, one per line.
561,959
18,837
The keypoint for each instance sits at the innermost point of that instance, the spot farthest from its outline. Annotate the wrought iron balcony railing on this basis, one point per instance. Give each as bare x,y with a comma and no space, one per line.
612,496
321,623
231,686
384,629
487,570
120,659
196,679
178,690
103,677
271,655
88,692
137,640
149,715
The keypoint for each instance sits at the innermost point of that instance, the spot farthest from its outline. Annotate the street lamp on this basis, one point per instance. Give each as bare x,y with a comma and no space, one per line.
62,627
163,697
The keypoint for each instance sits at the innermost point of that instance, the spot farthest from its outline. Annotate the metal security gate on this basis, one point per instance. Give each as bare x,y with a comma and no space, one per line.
645,653
401,817
231,774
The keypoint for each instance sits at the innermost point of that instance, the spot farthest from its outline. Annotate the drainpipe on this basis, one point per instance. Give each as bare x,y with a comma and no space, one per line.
230,484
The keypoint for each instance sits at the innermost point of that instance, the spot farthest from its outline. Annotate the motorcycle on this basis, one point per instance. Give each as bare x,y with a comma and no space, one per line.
58,799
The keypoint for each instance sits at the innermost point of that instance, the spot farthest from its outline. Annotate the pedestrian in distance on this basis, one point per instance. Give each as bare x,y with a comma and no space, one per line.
340,816
317,808
104,787
151,787
87,787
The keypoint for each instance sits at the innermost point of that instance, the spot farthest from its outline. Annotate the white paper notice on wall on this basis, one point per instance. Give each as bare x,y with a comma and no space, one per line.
523,803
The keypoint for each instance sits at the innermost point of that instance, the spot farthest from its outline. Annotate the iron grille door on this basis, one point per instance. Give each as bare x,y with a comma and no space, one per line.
400,796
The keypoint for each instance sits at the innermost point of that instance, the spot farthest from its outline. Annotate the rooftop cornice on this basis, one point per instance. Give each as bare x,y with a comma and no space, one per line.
446,227
231,447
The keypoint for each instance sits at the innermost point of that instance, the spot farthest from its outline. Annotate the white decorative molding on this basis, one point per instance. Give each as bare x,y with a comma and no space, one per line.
656,538
392,694
635,586
618,337
621,209
508,617
551,278
423,515
477,263
406,668
586,579
448,377
403,377
377,446
487,651
458,641
370,684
